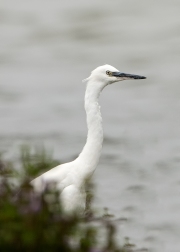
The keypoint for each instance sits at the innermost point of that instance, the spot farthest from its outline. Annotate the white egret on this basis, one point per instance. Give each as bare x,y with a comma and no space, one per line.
70,177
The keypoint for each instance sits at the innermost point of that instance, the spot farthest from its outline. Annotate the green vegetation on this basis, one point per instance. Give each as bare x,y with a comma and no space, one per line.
31,222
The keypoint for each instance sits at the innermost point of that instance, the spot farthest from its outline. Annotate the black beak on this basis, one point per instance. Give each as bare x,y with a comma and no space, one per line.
128,76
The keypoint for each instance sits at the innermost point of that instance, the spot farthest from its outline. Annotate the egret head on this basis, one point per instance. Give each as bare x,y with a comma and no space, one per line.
108,74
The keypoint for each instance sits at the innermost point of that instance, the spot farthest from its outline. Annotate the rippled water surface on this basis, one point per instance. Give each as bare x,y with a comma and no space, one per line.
48,47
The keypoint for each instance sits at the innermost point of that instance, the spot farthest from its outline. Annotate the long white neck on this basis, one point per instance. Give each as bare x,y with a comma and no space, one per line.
91,152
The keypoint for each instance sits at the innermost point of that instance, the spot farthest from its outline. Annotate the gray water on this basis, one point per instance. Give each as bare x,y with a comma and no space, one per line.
47,48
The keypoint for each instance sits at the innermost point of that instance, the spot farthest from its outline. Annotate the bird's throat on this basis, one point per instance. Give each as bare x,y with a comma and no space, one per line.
92,150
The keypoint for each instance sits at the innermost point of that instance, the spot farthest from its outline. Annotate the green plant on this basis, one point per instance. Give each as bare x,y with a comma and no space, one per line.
32,222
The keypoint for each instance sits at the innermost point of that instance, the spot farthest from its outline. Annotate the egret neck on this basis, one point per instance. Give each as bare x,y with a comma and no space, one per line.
92,150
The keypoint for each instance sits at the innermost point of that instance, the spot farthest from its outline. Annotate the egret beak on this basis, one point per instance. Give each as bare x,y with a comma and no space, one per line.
127,76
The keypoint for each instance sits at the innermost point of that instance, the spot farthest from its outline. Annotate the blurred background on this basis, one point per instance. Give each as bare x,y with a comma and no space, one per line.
47,48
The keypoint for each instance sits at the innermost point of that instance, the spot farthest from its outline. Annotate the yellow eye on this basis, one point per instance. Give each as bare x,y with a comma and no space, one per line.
108,72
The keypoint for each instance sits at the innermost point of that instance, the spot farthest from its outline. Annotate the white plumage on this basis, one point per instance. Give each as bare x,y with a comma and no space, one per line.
70,177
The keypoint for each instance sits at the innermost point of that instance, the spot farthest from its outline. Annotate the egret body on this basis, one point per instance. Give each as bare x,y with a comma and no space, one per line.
70,177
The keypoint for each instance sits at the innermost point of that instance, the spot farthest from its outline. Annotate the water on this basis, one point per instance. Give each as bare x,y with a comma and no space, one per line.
47,48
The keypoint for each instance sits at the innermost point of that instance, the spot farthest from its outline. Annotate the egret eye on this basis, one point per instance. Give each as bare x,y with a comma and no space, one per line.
109,73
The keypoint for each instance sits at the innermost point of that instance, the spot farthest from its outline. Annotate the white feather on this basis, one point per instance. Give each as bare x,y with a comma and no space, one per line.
70,177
